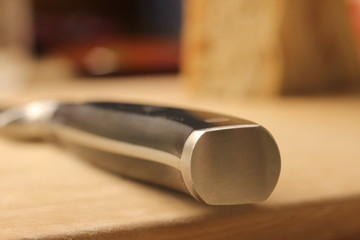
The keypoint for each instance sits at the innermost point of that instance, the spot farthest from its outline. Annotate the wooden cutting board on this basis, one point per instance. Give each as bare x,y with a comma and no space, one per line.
47,193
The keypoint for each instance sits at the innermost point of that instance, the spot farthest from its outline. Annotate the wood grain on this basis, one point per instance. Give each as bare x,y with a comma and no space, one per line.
46,193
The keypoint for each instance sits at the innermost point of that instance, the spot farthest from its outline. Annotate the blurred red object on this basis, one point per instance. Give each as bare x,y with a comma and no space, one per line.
110,37
123,55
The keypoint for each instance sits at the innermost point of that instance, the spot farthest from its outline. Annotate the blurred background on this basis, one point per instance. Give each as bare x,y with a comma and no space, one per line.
110,37
87,38
232,49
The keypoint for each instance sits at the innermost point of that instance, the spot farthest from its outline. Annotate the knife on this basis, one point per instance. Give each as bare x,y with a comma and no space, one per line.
217,159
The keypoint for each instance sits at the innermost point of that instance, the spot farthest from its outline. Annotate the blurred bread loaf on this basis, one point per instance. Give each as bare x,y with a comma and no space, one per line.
236,47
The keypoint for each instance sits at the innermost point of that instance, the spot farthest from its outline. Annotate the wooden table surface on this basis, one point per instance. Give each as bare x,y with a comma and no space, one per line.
47,193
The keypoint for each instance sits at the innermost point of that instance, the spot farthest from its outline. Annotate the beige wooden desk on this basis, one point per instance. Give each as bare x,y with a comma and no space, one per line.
46,193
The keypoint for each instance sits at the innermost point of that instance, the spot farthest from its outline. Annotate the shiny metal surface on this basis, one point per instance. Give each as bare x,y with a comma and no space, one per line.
231,165
83,138
219,160
30,121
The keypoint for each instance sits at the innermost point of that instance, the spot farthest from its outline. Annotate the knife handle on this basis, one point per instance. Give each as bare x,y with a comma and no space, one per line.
218,159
